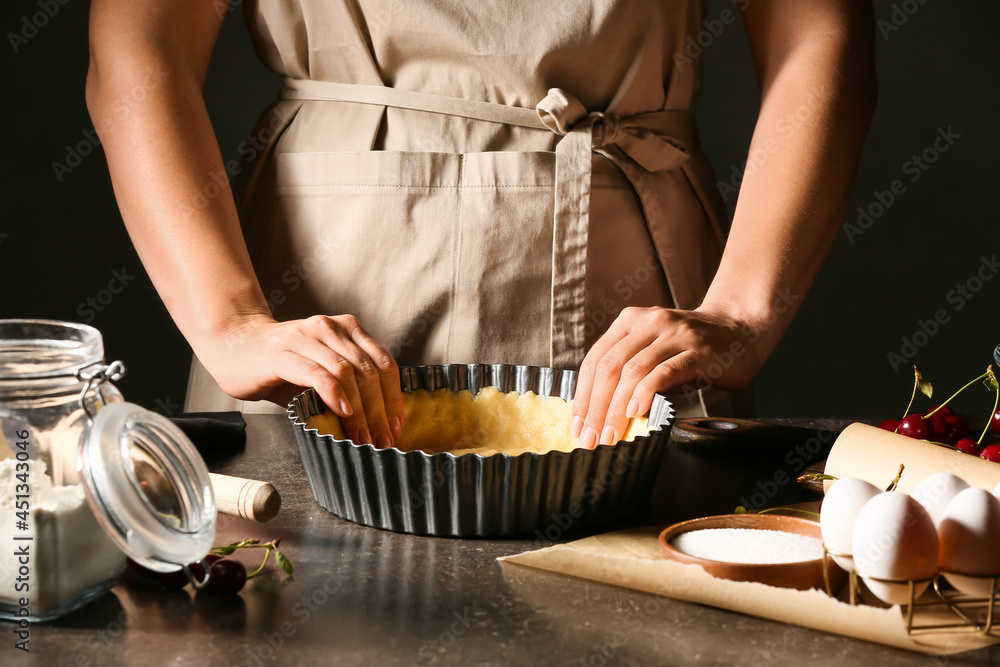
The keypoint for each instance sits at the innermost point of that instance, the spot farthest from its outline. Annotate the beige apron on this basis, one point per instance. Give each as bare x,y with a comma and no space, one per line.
478,182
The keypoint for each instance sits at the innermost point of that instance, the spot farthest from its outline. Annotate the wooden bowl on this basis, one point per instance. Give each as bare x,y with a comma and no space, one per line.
802,575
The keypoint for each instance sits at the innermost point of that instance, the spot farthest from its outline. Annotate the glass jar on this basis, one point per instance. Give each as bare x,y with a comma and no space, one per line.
44,369
85,478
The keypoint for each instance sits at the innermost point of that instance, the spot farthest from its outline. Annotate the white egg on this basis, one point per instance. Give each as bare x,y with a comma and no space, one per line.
895,539
935,491
969,536
836,518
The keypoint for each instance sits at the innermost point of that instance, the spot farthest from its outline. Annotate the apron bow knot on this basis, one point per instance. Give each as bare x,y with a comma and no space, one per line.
636,136
609,128
559,111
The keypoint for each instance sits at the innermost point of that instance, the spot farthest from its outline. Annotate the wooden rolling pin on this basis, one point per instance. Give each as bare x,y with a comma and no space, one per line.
246,498
874,455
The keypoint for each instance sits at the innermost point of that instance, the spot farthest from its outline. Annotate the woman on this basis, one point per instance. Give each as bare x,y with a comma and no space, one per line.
511,182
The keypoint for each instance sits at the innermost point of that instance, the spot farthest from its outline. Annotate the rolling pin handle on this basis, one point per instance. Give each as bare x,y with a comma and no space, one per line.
247,498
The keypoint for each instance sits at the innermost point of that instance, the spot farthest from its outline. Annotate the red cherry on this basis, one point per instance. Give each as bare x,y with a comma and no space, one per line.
991,453
995,422
915,426
228,576
944,411
959,426
174,581
178,580
943,431
889,425
198,571
969,446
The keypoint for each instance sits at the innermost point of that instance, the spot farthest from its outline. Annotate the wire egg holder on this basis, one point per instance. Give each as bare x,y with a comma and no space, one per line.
959,604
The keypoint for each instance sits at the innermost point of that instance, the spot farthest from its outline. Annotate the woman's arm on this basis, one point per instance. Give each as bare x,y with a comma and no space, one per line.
815,64
148,64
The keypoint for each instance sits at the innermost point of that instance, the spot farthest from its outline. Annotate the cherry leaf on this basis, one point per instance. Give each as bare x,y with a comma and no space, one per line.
283,562
816,477
923,384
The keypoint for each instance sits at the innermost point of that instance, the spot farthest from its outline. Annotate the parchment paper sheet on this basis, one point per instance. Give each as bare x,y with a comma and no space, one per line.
631,558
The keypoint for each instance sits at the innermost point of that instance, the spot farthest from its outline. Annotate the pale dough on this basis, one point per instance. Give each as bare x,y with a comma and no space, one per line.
486,424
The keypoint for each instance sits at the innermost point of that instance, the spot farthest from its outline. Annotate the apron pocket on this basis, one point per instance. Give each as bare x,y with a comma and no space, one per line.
443,257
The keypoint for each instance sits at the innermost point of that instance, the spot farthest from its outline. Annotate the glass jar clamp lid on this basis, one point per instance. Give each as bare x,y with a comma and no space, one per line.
146,483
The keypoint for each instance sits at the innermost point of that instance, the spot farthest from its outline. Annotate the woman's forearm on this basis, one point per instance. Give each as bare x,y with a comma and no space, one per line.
814,62
174,196
817,97
169,177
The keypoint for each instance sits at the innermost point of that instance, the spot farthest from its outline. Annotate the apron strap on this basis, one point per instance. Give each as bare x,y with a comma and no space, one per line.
640,144
384,96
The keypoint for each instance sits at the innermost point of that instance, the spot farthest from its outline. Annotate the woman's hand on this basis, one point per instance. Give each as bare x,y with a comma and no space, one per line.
658,350
815,64
355,376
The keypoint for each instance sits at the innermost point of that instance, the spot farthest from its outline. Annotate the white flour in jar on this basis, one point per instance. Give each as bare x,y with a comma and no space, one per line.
748,546
70,552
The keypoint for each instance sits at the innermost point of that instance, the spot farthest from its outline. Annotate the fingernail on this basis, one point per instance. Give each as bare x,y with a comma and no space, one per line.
588,438
632,410
345,408
607,435
364,435
576,426
396,427
382,440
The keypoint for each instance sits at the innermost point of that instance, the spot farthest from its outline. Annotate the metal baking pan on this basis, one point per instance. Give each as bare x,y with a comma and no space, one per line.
481,496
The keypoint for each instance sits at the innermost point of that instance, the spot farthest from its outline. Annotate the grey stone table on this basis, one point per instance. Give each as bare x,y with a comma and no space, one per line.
361,596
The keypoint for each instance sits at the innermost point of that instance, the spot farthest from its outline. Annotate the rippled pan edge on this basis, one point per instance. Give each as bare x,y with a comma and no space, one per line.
542,495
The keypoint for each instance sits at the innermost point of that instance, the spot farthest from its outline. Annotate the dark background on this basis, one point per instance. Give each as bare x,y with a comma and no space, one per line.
62,239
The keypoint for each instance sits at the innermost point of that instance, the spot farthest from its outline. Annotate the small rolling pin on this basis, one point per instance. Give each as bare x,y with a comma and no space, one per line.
246,498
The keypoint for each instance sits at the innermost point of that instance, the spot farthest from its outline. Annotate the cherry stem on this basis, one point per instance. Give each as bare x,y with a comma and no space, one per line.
249,544
941,444
252,543
895,481
996,403
912,396
267,554
787,509
978,379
